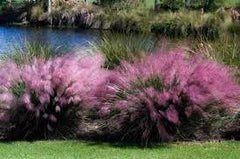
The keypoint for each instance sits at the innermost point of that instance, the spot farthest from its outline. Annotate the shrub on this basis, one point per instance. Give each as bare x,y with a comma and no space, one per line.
194,4
42,98
79,15
126,23
175,29
169,29
207,31
121,4
149,100
36,12
185,24
172,4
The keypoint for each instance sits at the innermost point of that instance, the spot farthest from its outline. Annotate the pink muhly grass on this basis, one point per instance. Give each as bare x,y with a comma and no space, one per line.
8,74
48,90
159,93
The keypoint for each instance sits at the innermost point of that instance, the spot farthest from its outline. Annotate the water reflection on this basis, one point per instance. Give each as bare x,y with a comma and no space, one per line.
66,39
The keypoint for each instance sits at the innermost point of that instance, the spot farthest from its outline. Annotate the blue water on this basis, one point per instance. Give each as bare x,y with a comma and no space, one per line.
65,39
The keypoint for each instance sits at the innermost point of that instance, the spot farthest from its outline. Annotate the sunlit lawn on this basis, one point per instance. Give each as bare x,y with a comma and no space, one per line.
89,150
227,3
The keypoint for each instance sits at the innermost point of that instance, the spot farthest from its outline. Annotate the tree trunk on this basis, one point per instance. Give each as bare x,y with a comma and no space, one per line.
50,10
157,6
209,4
188,3
8,2
49,6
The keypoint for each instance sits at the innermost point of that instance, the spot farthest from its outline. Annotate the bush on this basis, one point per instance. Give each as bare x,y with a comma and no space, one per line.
80,15
169,29
149,100
185,24
121,4
175,29
172,4
194,4
42,98
36,12
207,32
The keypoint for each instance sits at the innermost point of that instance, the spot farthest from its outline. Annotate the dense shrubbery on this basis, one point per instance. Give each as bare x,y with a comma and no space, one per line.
172,30
130,15
194,4
80,15
121,4
182,24
15,12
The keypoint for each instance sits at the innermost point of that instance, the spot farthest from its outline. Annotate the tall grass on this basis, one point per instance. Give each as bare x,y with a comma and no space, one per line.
185,24
234,28
118,46
23,54
226,50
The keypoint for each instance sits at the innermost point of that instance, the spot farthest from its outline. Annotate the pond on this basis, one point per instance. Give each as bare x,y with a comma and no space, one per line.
64,39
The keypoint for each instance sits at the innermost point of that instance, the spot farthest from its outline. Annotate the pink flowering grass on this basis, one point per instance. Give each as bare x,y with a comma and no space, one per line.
157,95
44,94
147,100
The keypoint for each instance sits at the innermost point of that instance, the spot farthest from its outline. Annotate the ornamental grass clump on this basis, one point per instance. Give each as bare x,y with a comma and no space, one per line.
31,50
118,46
151,99
42,98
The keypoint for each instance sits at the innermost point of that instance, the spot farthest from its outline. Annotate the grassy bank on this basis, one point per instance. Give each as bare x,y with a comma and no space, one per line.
183,22
81,150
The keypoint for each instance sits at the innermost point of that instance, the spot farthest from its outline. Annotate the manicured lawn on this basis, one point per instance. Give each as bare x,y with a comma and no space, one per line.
231,2
227,3
88,150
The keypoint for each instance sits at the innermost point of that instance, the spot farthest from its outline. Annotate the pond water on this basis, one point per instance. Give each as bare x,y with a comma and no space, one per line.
65,39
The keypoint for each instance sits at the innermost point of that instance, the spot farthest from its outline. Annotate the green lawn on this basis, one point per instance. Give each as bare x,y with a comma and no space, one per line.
231,2
88,150
227,3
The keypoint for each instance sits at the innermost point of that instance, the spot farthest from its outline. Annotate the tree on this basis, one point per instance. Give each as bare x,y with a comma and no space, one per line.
8,2
99,2
49,6
156,5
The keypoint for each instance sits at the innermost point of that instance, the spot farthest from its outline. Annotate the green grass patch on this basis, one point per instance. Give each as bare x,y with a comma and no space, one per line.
30,50
119,46
83,150
230,3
